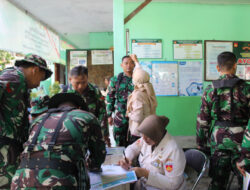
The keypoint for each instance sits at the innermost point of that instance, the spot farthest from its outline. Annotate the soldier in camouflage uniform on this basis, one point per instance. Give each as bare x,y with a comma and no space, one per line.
226,103
39,105
119,89
92,96
14,100
245,152
54,155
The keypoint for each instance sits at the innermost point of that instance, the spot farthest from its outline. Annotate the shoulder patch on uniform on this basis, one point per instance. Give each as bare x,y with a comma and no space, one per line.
169,167
138,141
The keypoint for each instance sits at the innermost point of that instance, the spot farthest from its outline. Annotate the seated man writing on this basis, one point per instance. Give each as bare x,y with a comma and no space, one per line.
161,161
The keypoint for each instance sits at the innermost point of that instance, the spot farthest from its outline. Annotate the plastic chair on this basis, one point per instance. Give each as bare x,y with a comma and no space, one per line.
198,161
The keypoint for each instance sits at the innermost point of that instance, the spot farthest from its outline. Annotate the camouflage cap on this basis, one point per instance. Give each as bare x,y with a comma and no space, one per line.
70,96
36,60
39,105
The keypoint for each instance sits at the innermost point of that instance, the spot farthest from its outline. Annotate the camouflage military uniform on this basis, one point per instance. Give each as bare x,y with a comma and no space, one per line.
96,105
118,92
39,105
58,166
226,134
14,100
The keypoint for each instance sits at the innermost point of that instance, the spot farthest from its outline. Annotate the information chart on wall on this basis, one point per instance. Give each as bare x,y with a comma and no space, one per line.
165,78
190,78
188,49
147,48
102,57
242,52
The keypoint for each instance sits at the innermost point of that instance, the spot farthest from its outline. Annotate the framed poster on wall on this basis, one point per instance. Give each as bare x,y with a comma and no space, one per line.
242,52
187,49
147,48
78,58
212,50
102,57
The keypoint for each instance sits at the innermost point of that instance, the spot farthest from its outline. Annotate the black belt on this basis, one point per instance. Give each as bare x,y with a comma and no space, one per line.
46,163
229,124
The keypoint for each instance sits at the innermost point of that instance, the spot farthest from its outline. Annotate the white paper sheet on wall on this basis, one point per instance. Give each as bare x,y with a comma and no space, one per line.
190,78
165,78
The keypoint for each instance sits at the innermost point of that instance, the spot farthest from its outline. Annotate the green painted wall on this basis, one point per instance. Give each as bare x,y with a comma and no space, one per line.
118,29
81,41
100,40
172,21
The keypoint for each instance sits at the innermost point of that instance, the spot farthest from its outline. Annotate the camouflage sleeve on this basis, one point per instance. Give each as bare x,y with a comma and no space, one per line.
96,145
244,159
102,114
111,97
203,120
2,86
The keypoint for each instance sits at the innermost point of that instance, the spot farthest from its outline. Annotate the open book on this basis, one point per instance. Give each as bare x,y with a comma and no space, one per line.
111,176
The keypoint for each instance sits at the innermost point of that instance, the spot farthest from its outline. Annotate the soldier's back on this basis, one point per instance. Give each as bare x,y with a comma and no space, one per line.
70,148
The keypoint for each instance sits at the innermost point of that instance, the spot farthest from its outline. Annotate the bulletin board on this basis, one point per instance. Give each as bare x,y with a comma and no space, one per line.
96,72
214,47
172,78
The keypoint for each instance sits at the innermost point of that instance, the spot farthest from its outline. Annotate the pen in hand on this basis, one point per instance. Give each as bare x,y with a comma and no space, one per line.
125,157
127,161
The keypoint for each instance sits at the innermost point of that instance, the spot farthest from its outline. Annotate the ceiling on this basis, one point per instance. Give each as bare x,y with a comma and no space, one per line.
71,16
79,17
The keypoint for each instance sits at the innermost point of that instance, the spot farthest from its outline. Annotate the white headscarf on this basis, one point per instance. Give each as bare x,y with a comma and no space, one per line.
141,80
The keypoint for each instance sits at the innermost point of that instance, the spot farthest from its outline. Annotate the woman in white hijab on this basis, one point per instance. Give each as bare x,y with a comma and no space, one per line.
142,102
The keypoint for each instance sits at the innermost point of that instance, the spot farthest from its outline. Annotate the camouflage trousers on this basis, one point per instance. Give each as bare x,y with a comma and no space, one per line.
221,165
225,150
120,135
123,137
8,166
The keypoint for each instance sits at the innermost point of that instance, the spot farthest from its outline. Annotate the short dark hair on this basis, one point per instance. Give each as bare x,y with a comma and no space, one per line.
226,60
126,56
78,71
